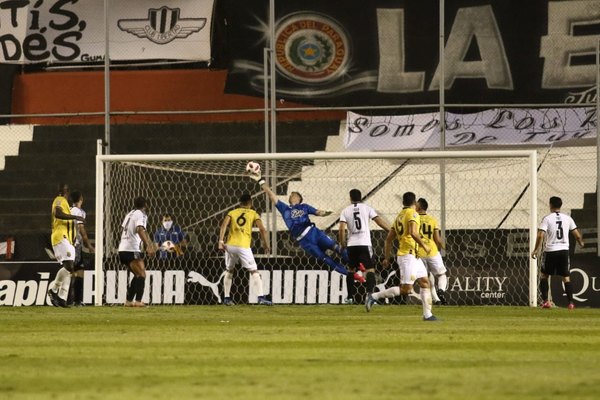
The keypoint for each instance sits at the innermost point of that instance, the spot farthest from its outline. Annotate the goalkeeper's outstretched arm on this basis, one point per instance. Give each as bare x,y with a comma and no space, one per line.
269,192
263,184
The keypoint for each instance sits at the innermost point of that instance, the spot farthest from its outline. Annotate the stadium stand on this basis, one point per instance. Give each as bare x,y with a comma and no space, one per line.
563,172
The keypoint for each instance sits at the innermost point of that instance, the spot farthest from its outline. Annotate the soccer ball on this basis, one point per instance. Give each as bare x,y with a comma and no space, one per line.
253,168
168,246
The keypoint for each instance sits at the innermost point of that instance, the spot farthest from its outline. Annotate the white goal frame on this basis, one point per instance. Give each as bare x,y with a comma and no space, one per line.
530,155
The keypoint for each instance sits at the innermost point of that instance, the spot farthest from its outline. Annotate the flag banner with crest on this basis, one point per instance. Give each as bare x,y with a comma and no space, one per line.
386,52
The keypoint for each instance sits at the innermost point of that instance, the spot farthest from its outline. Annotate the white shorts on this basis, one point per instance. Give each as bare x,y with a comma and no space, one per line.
64,251
411,269
435,264
233,254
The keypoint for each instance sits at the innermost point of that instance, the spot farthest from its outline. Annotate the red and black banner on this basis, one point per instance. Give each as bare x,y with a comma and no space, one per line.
6,83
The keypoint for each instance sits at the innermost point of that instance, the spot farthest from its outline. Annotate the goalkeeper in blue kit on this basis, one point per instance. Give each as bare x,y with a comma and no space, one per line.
313,240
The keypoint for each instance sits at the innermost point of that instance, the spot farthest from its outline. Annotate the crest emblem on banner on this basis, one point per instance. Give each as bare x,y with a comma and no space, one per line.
162,26
311,48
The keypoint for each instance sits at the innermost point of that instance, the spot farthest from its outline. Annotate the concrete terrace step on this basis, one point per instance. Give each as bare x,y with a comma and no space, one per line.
32,206
59,147
49,188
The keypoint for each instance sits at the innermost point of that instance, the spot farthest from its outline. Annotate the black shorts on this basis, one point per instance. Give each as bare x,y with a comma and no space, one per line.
360,254
126,257
556,263
78,262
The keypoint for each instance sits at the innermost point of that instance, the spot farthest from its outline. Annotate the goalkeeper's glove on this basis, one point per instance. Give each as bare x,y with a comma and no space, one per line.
257,177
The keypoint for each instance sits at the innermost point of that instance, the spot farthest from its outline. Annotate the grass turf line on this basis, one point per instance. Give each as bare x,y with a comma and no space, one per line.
298,352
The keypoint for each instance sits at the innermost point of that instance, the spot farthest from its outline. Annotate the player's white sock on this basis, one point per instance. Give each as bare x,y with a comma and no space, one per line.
256,282
63,292
60,278
426,300
442,282
227,281
387,293
434,295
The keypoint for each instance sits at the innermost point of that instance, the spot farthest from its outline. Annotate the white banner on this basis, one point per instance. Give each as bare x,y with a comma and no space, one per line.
513,127
73,31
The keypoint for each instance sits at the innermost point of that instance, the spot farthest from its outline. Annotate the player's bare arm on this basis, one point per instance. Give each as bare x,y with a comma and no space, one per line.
86,240
578,237
538,243
387,248
342,234
413,229
323,213
269,192
263,235
150,248
382,223
222,231
437,238
60,214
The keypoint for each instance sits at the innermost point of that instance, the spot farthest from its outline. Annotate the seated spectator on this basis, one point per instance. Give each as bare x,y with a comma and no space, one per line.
169,231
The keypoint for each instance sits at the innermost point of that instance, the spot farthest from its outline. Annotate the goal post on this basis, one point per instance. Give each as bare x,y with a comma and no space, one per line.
490,216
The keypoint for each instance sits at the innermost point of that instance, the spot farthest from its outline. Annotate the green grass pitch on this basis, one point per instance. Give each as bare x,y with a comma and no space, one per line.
298,352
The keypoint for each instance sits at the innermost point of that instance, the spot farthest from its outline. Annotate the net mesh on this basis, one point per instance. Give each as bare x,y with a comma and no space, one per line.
486,224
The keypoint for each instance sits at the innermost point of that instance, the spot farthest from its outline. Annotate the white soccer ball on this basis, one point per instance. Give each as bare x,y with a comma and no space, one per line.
167,245
253,168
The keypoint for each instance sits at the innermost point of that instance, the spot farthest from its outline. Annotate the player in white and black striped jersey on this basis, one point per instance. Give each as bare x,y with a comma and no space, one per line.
555,228
81,239
355,218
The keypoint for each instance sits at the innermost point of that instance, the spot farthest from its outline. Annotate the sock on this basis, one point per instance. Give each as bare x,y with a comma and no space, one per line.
371,282
350,285
425,294
256,282
431,278
78,289
131,289
442,282
63,291
227,282
60,278
569,291
544,289
387,293
434,295
140,284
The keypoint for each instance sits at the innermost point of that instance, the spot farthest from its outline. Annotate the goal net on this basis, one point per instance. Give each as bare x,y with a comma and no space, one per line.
484,201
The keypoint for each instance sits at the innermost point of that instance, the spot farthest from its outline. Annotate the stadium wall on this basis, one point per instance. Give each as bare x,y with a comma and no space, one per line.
133,92
26,284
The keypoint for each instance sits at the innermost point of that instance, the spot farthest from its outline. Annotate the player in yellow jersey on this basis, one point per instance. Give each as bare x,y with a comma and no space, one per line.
430,232
63,237
237,248
406,230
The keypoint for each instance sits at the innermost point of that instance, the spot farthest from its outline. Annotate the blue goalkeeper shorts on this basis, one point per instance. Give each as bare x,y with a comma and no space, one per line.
316,242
